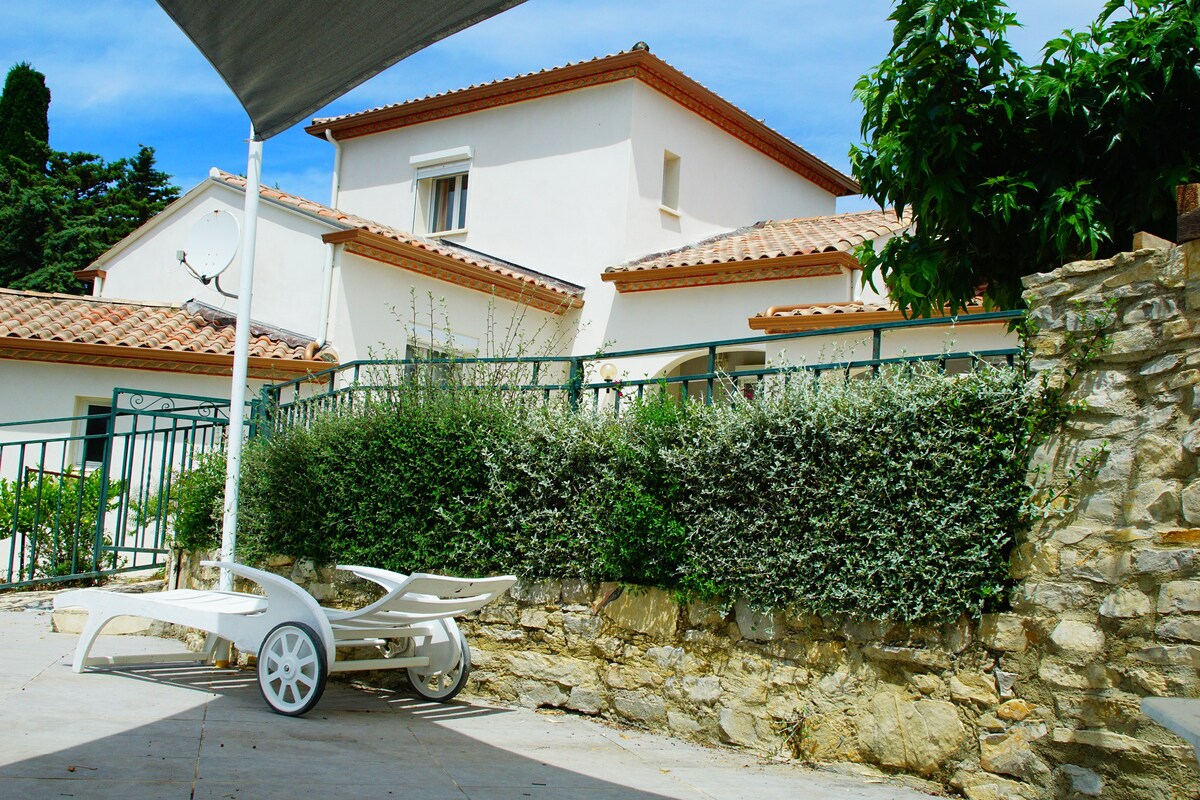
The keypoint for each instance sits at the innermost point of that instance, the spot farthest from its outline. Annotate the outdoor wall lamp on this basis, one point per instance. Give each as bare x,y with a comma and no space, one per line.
608,371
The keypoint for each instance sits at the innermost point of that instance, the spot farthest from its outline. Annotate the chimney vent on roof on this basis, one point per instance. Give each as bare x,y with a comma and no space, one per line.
641,46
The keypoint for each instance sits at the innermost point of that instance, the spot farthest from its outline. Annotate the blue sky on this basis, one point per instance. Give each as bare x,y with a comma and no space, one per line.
121,73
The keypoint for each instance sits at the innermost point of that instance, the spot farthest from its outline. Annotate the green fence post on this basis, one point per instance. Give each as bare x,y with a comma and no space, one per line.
102,505
575,383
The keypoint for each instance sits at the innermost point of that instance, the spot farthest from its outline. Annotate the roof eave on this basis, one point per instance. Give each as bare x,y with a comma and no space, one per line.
809,265
798,324
406,256
124,356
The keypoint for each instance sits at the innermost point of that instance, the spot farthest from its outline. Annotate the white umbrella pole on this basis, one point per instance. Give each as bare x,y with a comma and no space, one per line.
241,358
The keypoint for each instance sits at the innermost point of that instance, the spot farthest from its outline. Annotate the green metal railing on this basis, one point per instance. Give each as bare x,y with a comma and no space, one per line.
67,515
577,377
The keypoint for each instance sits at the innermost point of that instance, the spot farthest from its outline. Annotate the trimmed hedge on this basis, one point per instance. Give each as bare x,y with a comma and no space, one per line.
893,498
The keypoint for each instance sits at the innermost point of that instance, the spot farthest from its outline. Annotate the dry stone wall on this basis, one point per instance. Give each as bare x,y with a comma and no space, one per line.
1039,702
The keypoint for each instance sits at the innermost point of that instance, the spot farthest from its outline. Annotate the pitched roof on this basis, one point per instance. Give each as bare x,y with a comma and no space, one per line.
637,63
809,316
838,233
568,295
193,337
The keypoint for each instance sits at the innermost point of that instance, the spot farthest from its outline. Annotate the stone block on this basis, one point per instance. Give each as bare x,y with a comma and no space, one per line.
1177,597
1011,753
758,626
534,619
1180,629
1125,604
972,687
737,727
576,591
584,626
548,668
1053,597
706,613
920,736
993,787
926,684
666,657
1078,638
1158,309
535,694
682,724
499,613
705,690
1159,456
1107,741
649,611
536,593
1074,676
647,709
1109,568
585,701
1190,502
1083,780
1162,562
1015,710
1107,391
1179,538
1170,655
1005,632
1161,365
1153,502
624,677
911,657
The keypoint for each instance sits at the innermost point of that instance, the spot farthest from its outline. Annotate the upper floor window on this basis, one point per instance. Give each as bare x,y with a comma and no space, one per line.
441,182
448,203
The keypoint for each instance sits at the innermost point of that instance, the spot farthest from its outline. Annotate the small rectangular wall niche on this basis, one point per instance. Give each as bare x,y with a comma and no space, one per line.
670,181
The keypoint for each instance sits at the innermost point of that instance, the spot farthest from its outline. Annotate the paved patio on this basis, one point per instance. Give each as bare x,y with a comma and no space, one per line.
186,732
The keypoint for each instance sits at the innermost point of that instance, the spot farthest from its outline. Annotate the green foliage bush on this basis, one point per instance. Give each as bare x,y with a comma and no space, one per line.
890,498
52,517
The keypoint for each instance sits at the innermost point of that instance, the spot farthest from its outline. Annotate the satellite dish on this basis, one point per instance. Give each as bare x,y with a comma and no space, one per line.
211,244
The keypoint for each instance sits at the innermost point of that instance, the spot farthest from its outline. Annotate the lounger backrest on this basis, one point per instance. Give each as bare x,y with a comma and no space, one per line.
427,597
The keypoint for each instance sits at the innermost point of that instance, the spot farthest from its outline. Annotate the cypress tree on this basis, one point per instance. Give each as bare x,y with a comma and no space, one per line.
24,116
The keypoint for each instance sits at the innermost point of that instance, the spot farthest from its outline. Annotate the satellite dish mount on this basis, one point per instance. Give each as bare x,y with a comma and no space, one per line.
210,247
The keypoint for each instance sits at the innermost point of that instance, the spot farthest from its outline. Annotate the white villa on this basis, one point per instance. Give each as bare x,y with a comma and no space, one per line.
606,205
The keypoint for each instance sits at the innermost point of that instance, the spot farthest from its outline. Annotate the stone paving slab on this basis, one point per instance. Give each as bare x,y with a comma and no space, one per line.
172,731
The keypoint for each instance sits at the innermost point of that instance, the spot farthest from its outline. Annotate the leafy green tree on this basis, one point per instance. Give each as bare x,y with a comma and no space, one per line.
60,211
1012,169
24,121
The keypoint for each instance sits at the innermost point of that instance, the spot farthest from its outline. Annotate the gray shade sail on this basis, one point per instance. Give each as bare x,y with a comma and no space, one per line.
284,59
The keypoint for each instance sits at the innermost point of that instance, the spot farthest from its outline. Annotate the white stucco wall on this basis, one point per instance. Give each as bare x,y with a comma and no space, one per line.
377,304
723,182
289,259
547,178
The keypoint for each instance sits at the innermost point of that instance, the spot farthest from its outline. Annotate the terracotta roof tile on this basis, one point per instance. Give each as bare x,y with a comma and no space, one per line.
442,248
193,327
827,309
778,239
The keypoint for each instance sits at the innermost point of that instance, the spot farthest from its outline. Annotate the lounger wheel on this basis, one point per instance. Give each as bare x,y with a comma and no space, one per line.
442,686
292,669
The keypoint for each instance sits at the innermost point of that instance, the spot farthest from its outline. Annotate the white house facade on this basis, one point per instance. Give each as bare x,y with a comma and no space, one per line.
614,204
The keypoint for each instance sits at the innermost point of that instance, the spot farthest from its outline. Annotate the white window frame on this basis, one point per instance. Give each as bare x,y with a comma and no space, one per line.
429,168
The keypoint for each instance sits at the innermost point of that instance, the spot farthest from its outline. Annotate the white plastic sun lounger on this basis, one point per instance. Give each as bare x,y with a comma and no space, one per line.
296,639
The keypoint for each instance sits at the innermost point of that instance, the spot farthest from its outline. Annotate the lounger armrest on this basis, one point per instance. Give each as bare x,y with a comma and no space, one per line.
384,577
285,600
